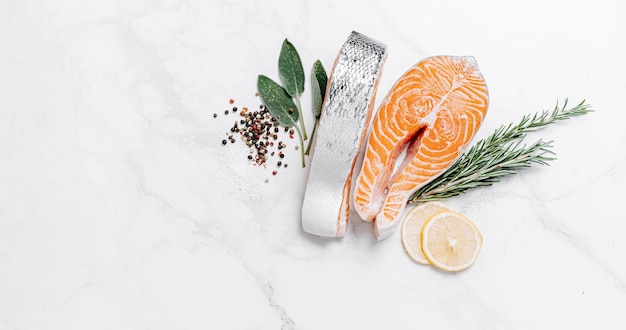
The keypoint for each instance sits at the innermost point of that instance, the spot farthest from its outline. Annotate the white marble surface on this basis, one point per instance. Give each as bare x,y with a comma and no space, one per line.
120,208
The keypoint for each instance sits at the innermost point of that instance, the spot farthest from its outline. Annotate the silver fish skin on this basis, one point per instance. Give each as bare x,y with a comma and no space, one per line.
346,114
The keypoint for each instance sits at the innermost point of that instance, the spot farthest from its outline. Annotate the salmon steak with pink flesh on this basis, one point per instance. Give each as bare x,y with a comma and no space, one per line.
430,115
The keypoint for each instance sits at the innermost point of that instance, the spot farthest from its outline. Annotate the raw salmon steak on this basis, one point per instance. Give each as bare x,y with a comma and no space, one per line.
346,114
431,114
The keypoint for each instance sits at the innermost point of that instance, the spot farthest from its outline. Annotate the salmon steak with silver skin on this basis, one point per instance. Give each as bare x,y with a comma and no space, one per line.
345,116
431,114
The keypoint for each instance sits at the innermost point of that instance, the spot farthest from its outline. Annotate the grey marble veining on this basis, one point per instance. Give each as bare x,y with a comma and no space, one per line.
121,209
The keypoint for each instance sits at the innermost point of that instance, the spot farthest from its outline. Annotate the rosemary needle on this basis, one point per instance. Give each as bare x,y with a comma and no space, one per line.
500,154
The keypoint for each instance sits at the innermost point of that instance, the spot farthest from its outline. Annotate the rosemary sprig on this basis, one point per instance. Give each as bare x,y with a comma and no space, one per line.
501,154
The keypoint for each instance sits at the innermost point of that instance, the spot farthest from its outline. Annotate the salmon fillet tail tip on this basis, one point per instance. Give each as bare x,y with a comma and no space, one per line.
429,116
346,113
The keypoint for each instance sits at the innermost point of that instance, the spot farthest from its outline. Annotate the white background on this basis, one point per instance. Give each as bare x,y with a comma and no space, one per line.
120,208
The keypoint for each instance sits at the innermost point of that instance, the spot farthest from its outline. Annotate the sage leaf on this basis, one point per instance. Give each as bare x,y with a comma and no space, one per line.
318,99
319,79
320,75
290,69
277,101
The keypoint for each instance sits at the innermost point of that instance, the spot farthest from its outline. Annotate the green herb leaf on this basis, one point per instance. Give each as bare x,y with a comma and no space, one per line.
277,101
317,98
318,84
320,76
290,69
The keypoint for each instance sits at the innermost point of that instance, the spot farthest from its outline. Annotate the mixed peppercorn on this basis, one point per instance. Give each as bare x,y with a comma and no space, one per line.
260,132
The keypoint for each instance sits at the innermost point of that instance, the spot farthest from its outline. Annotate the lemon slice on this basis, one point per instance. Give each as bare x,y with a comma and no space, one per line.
412,228
451,241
